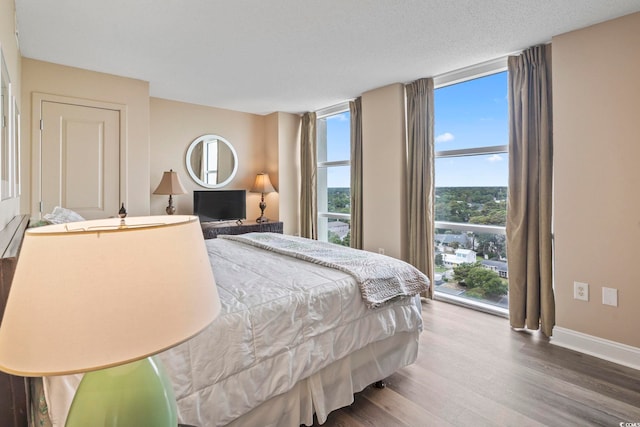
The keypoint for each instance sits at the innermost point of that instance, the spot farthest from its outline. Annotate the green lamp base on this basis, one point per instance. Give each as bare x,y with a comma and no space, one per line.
137,394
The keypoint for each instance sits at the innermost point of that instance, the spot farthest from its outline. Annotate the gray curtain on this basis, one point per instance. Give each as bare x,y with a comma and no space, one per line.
420,177
309,179
355,109
529,238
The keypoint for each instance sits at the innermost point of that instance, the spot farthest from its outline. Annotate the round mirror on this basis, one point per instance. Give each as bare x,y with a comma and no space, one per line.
212,161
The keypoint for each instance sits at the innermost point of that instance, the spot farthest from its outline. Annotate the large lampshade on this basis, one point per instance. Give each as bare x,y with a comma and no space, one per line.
91,295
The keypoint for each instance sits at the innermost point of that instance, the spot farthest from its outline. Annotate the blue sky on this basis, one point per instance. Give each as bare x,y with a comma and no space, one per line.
469,114
338,148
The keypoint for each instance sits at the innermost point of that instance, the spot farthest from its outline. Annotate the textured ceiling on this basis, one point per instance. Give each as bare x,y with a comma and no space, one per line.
261,56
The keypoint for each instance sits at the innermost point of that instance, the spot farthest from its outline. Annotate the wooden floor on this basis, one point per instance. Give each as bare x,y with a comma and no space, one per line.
473,370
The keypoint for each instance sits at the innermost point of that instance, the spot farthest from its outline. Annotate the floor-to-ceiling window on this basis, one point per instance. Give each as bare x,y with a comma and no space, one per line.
471,176
334,181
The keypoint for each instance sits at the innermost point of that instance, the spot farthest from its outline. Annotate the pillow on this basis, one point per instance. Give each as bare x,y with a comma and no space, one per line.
39,223
62,215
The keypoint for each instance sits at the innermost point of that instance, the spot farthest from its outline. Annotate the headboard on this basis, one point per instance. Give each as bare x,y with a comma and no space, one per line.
13,390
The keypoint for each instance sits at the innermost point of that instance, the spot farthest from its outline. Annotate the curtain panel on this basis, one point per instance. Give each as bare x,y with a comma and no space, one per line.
308,178
355,110
529,228
420,177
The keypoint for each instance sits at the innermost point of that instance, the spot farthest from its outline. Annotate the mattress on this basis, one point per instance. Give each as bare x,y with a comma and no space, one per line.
283,320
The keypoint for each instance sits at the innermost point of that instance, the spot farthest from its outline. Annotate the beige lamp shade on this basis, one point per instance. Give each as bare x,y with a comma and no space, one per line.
90,295
262,184
170,184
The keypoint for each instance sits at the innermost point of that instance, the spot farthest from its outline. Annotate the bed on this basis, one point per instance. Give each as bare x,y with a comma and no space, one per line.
295,338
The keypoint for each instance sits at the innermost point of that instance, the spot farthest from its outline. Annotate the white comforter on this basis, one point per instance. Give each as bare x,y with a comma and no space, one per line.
282,320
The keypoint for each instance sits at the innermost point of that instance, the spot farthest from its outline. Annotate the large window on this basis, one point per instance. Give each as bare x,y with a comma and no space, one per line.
471,178
334,174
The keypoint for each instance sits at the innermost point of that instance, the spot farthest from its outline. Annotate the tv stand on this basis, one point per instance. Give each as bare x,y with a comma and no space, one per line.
211,230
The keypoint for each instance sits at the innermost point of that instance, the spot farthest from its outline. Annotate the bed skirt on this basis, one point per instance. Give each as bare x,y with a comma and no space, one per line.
334,386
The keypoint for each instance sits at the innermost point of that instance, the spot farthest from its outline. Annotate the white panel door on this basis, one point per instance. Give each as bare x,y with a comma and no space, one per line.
80,159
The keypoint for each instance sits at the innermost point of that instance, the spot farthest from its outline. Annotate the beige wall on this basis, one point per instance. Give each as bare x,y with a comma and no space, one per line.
158,134
45,77
596,100
283,164
271,166
383,158
10,207
175,124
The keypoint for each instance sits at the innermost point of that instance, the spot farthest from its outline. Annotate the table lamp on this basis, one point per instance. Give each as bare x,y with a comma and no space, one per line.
170,184
262,185
102,297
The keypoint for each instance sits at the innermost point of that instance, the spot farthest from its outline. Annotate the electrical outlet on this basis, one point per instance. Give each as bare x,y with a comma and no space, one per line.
381,251
610,296
581,291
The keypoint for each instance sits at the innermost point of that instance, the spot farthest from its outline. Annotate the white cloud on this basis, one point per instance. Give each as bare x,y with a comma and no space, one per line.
445,137
495,158
342,117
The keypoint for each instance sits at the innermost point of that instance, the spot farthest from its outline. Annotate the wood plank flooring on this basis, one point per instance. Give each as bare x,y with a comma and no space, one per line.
473,370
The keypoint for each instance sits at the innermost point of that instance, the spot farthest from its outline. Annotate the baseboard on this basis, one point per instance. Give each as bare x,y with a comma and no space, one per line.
612,351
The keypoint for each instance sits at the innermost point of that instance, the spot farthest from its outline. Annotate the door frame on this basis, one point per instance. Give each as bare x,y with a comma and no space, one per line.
36,143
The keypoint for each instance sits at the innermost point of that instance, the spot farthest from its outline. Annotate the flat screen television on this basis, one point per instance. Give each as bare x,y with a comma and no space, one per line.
220,205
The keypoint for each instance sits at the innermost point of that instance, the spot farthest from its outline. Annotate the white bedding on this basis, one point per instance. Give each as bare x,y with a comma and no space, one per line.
282,320
379,277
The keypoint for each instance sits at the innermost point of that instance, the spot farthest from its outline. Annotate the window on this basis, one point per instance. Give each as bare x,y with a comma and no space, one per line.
211,163
333,129
471,178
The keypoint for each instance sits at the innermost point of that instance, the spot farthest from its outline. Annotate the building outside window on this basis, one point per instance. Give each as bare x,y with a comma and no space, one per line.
471,178
333,129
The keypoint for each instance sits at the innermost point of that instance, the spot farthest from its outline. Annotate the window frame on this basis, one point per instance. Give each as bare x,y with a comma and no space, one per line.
323,114
460,76
478,71
206,154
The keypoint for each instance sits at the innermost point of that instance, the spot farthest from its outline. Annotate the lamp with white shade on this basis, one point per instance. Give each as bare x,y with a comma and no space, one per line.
169,185
262,185
101,297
